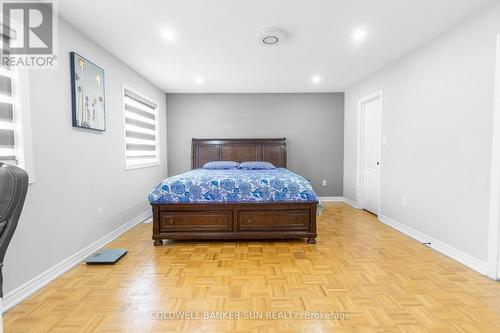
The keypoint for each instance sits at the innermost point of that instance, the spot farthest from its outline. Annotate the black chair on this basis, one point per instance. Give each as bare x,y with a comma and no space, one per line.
13,188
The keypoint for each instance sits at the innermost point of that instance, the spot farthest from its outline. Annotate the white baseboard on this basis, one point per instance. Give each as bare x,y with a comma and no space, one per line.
22,292
331,199
449,251
352,203
348,201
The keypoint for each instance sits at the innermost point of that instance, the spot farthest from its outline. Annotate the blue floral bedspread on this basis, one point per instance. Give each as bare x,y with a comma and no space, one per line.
234,185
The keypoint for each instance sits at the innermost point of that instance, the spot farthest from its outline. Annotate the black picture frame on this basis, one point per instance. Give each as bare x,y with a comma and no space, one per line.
88,112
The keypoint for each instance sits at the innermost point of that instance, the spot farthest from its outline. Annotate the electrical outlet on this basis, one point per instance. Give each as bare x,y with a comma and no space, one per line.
100,212
404,202
324,182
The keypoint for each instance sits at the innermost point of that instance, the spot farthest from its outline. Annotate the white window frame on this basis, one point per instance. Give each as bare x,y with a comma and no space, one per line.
157,130
23,143
21,114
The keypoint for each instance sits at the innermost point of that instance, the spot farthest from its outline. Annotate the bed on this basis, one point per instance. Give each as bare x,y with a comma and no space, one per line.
235,204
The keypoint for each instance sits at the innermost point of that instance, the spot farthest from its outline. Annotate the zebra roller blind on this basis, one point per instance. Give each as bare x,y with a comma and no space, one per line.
141,130
8,151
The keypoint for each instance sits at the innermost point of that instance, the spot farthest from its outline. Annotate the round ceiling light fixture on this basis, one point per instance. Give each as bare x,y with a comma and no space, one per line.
271,36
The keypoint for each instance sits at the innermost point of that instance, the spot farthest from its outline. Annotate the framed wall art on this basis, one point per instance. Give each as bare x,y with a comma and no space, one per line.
87,93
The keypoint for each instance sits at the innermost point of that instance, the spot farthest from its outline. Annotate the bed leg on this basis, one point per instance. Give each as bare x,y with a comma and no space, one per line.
311,240
158,242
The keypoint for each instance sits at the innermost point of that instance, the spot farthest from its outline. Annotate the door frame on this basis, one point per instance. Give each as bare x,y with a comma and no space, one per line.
492,269
361,148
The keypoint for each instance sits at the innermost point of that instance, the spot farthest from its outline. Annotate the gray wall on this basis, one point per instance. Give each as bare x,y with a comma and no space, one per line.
77,171
312,123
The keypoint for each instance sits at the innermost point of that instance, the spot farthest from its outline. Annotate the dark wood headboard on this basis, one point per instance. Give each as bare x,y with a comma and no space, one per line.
239,150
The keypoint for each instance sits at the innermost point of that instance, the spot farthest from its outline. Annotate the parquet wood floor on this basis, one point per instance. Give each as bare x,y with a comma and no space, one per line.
383,280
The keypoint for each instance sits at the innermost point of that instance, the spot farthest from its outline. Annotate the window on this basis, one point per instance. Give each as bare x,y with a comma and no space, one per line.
15,123
15,120
141,130
8,151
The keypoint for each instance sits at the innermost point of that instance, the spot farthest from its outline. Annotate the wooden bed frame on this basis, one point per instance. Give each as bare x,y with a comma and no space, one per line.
225,221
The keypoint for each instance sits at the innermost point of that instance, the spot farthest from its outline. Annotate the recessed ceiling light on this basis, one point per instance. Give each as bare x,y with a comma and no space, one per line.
168,34
359,35
316,79
199,80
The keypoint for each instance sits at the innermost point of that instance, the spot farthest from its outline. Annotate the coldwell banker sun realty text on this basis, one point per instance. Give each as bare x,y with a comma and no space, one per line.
250,315
29,34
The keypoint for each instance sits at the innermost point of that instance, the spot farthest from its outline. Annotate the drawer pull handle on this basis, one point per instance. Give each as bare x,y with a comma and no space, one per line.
220,220
171,221
249,221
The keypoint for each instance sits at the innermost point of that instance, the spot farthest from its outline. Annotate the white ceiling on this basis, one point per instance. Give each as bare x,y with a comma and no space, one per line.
216,39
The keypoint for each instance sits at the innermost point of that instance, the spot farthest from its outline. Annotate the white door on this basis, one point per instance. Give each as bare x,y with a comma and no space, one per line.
372,127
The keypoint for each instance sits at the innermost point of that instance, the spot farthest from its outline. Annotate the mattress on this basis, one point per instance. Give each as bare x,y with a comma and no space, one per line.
235,185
